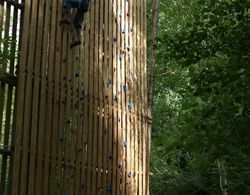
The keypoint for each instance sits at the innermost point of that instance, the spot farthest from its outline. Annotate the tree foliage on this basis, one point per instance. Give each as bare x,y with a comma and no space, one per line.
201,109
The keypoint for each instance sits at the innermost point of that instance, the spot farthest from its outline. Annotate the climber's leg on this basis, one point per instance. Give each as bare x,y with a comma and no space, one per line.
79,18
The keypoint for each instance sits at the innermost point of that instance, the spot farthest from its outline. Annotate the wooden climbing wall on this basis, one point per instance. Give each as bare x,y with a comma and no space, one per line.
82,113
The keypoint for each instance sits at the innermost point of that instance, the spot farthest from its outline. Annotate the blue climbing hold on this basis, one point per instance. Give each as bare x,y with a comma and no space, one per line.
130,106
109,81
129,174
120,56
131,29
124,88
123,30
110,188
125,143
77,74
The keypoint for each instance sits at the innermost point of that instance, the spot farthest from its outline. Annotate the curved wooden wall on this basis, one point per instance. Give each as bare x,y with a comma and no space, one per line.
82,125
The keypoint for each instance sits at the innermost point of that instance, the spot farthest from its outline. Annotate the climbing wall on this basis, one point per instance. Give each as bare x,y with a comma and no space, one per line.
82,113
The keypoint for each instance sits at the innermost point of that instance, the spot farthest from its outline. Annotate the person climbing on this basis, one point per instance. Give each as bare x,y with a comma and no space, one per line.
82,7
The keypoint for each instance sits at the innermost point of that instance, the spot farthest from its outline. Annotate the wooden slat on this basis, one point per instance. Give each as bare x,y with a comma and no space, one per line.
101,74
28,106
96,97
91,100
49,101
55,142
42,103
34,123
86,103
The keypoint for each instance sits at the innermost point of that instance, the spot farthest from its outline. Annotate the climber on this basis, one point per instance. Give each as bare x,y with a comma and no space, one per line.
82,7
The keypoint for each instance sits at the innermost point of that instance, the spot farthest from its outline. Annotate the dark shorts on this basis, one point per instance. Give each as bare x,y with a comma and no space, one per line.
83,4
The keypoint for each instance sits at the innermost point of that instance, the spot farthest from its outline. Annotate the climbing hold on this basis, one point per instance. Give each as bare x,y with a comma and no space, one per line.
82,98
125,143
115,97
128,48
77,74
81,114
123,51
120,15
120,56
127,13
119,165
129,174
130,106
131,29
105,131
68,121
61,137
123,30
65,60
110,157
115,39
64,78
65,193
124,88
82,185
110,188
109,82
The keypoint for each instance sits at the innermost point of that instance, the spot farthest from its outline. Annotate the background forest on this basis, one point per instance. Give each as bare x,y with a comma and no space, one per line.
201,104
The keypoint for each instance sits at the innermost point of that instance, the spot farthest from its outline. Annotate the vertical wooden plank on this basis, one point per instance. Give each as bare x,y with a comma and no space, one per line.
42,103
55,142
120,64
62,118
90,167
116,97
111,73
36,80
107,84
95,97
101,91
49,105
86,103
28,106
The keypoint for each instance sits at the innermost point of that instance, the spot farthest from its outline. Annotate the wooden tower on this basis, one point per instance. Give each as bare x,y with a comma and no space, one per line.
82,113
